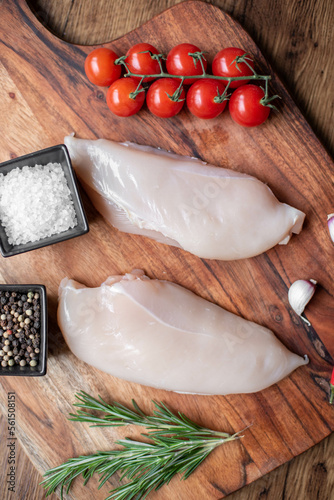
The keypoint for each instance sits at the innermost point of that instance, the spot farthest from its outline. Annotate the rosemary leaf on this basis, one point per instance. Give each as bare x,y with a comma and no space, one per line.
178,446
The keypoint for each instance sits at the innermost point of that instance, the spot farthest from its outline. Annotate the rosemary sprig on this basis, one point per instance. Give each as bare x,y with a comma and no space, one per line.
162,422
177,445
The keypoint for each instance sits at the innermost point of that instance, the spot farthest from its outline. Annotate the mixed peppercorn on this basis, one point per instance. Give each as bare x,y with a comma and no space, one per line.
20,316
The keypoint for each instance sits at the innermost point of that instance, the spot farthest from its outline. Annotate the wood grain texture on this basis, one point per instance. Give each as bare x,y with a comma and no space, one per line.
271,310
295,37
27,477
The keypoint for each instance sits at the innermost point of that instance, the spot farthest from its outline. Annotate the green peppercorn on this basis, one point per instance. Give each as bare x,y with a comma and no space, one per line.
23,362
11,362
33,362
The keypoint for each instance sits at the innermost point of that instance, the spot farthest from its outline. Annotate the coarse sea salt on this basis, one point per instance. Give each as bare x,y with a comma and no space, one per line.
35,203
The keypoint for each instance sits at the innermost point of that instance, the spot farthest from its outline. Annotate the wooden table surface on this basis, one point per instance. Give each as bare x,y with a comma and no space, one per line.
297,39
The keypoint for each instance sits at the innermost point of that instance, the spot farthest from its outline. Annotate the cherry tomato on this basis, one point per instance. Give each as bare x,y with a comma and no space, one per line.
245,106
119,98
100,67
179,62
201,95
223,65
142,63
159,97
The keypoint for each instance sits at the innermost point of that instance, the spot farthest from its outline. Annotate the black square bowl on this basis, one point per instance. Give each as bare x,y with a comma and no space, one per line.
55,154
40,368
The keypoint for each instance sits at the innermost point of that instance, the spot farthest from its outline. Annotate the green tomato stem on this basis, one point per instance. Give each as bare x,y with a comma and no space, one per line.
331,397
229,79
134,94
265,101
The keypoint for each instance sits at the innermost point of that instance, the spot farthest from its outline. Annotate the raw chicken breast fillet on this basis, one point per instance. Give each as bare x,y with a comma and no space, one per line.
159,334
212,212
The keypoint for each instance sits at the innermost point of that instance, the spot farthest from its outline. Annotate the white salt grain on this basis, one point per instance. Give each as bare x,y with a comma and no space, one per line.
35,203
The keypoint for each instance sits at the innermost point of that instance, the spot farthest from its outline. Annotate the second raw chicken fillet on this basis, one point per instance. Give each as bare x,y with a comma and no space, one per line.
159,334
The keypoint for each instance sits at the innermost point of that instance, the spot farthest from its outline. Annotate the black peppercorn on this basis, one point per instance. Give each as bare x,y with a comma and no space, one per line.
19,328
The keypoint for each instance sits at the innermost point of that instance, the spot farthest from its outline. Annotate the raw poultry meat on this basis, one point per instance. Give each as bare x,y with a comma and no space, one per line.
212,212
162,335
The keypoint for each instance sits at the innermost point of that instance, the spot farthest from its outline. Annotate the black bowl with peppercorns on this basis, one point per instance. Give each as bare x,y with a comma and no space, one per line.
23,330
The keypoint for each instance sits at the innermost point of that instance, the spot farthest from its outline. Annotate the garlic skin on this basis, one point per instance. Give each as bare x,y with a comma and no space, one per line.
300,294
330,223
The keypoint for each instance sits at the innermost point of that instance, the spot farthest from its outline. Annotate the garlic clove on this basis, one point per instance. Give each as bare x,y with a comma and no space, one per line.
330,223
300,294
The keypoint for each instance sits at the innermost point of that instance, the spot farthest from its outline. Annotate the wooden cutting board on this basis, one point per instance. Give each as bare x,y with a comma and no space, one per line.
45,95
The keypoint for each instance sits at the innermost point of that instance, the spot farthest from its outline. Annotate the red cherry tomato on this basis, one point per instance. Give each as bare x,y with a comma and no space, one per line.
119,98
139,60
246,108
223,65
179,62
159,98
100,67
201,98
